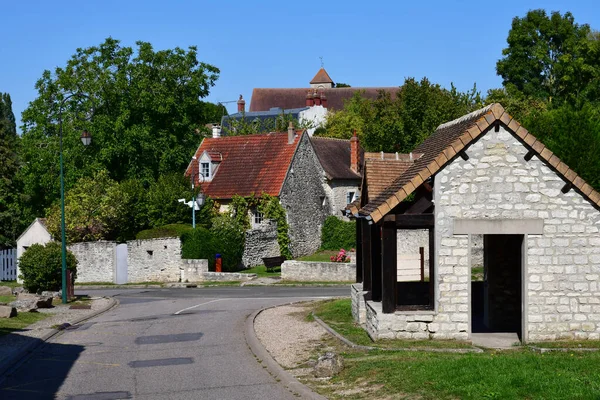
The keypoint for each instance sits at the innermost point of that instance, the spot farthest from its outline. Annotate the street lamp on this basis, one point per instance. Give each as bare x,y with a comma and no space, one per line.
86,139
199,199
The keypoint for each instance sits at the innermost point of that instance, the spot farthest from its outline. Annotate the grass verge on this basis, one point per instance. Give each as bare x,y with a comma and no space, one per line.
323,256
568,344
7,299
11,284
261,272
8,325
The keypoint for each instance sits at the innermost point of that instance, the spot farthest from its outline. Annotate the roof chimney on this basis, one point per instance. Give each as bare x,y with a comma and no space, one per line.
354,152
291,133
323,100
309,99
216,131
317,97
241,104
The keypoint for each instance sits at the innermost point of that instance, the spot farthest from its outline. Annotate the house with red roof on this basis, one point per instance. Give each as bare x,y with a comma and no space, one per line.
312,178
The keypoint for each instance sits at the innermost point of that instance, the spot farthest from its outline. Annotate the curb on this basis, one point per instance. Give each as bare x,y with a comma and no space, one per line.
263,356
20,357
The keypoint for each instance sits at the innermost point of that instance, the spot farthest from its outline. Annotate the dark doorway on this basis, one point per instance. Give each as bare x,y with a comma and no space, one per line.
496,301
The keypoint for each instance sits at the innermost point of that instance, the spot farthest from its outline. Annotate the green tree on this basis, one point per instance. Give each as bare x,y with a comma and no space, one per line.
341,85
162,200
147,115
400,123
550,57
247,126
9,227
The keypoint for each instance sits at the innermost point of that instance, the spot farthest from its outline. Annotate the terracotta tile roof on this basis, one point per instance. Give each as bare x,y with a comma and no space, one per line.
334,156
322,77
381,173
450,139
251,164
263,99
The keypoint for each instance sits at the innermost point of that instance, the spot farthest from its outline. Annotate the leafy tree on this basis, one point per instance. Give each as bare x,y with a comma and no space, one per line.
8,170
341,85
247,126
400,123
550,57
161,200
145,108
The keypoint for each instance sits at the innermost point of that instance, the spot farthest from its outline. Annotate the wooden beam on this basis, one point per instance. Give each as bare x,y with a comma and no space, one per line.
359,245
376,262
411,221
421,205
366,254
389,267
464,155
568,186
529,155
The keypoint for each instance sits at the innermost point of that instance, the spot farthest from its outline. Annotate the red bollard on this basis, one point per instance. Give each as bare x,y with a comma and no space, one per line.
218,263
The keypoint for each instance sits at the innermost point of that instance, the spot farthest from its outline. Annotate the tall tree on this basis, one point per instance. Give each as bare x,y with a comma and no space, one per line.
550,57
8,169
145,111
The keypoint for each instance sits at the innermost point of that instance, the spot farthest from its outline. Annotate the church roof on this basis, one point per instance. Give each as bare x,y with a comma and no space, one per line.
322,77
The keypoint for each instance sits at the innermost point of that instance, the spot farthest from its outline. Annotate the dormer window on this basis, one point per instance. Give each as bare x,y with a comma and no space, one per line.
205,169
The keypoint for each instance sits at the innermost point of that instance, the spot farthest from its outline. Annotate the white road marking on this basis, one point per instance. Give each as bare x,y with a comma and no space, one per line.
197,305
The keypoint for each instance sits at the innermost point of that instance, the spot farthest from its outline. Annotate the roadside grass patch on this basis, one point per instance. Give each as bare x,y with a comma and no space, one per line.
320,256
261,271
8,325
11,284
7,299
568,344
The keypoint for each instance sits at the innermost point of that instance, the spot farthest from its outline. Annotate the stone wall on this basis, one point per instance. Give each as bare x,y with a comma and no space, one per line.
408,242
562,265
194,270
302,197
154,260
96,261
408,324
337,192
359,307
260,242
312,271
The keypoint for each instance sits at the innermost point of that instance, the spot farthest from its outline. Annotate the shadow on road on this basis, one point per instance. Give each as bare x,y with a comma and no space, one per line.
42,374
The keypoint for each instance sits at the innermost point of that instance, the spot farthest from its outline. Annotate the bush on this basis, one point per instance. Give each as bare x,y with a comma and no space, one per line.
172,230
337,234
41,267
199,243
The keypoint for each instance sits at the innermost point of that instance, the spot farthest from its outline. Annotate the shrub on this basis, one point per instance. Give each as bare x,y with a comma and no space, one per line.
172,230
199,243
340,257
337,234
41,267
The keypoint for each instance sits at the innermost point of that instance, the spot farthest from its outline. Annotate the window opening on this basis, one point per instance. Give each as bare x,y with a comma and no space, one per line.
205,169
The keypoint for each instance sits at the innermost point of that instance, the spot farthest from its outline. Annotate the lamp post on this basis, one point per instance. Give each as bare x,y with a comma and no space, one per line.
199,200
86,139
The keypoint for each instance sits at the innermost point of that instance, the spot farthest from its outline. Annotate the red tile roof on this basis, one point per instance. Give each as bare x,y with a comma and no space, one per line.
251,164
263,99
322,77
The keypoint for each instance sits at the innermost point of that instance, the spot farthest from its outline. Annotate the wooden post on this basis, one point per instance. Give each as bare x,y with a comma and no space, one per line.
375,262
389,267
366,254
359,246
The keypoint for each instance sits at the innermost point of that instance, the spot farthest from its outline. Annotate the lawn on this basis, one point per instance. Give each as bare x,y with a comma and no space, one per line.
323,255
8,325
512,374
261,272
7,299
11,284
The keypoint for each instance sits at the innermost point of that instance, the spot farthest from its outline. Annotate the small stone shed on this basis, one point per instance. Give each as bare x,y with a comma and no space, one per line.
482,174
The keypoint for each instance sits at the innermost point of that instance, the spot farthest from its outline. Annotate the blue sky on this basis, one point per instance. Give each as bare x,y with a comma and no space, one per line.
276,43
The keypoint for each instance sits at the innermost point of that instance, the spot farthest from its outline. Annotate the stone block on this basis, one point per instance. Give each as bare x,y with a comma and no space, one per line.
420,335
5,291
7,311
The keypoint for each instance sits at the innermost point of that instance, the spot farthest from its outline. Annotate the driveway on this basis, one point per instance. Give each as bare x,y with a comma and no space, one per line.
160,344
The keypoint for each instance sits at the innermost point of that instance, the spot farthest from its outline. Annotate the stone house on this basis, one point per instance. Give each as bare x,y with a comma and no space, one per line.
284,165
482,174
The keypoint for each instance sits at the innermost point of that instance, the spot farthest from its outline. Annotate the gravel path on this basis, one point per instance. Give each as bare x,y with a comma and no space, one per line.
13,342
286,334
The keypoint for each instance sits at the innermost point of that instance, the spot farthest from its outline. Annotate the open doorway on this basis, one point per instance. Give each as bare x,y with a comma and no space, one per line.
496,291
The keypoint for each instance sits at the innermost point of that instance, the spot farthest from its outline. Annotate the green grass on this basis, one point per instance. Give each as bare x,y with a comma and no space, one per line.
261,271
8,325
477,273
7,299
323,255
568,344
11,284
338,315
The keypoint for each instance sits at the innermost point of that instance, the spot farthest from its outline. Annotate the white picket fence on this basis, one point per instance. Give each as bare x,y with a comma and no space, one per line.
8,265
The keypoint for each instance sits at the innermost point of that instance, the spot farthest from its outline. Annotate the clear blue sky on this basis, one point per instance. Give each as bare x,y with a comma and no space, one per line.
276,43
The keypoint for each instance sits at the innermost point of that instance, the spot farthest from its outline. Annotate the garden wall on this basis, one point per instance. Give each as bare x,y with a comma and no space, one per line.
312,271
96,261
260,242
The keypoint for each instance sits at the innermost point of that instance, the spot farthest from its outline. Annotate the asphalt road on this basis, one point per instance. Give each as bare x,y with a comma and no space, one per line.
159,344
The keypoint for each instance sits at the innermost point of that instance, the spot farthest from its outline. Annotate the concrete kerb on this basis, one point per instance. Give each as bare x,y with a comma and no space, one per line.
263,356
347,342
21,356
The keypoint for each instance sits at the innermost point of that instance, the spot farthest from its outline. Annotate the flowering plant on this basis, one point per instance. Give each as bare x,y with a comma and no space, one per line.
341,257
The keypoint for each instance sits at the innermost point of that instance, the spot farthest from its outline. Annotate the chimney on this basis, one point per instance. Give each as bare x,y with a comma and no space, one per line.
216,131
309,99
291,133
354,152
241,105
323,100
317,97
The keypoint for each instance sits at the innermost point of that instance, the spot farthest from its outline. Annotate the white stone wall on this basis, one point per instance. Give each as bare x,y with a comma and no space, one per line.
312,271
154,260
260,242
316,115
408,242
562,269
337,192
407,324
359,308
96,261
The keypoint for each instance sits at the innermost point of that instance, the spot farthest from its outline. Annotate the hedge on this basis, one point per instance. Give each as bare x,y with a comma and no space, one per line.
172,230
337,234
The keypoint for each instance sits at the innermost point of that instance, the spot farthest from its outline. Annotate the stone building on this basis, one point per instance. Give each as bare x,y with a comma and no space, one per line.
284,165
482,174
